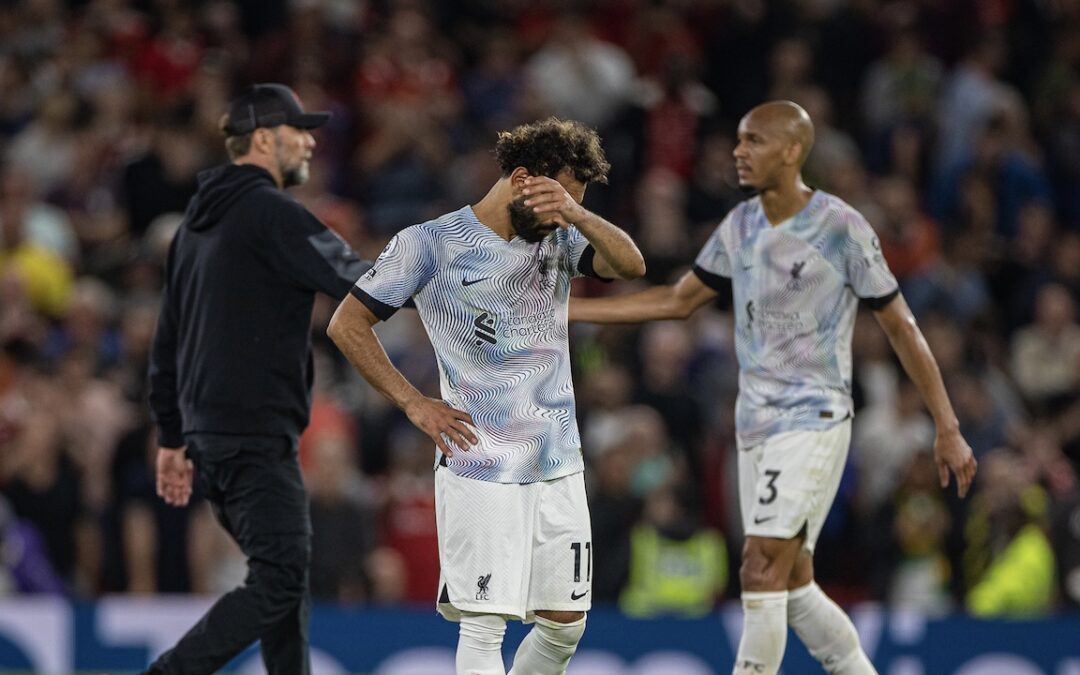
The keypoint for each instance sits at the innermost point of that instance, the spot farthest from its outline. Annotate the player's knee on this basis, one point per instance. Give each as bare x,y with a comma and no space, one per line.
559,635
483,632
759,572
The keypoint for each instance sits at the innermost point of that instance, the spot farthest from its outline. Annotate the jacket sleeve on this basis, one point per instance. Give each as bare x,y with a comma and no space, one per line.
311,255
164,407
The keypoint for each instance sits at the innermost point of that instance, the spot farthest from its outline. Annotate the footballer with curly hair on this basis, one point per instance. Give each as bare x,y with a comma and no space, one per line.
491,283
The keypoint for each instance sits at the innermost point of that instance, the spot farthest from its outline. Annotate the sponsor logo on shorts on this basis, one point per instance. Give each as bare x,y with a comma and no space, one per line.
759,520
482,586
576,596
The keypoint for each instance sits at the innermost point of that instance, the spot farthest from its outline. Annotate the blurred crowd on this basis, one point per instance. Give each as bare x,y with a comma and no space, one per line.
954,127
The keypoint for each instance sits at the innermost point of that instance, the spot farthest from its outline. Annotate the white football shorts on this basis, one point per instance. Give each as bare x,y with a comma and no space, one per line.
513,549
789,481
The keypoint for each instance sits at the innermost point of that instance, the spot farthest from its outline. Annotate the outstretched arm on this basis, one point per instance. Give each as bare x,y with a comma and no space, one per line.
351,329
672,301
951,451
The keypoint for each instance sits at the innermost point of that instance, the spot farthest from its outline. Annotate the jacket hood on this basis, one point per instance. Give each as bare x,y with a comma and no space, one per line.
219,189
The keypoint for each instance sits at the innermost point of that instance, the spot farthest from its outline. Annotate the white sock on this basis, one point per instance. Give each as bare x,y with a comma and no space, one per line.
827,632
479,650
764,637
547,649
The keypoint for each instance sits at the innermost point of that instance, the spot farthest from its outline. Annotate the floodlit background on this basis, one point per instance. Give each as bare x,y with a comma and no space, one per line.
953,125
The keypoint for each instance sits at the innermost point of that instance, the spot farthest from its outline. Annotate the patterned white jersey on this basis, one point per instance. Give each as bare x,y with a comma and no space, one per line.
796,288
496,313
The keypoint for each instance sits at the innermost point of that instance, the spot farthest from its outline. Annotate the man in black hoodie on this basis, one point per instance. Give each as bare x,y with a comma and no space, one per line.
231,369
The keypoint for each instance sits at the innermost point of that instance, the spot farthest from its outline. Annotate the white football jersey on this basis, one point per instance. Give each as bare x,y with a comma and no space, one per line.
796,288
496,313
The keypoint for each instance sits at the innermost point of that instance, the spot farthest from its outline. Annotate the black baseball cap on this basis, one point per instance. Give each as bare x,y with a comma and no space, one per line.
270,105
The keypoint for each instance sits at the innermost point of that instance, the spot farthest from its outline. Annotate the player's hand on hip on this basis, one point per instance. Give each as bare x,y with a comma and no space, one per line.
443,423
550,201
952,453
175,475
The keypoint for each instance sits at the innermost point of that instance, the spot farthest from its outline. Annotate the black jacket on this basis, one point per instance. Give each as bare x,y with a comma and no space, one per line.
232,351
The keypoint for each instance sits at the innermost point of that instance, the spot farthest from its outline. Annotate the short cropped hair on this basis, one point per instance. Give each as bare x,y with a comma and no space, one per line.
237,146
547,147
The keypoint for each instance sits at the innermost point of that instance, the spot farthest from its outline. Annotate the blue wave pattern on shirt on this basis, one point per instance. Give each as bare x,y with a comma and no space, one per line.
496,314
796,287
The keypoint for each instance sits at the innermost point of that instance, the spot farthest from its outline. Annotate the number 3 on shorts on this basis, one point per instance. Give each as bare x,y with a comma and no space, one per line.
773,474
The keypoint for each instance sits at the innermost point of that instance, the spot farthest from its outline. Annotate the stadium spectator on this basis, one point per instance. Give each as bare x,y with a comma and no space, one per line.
1065,534
885,439
970,95
951,285
407,517
713,187
677,567
41,224
407,91
44,488
24,563
613,504
45,148
1009,564
44,276
162,179
900,87
909,238
342,518
1063,155
1046,354
1013,177
916,563
573,61
1018,272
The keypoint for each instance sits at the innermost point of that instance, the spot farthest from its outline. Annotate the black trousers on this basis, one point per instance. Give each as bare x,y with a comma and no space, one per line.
254,485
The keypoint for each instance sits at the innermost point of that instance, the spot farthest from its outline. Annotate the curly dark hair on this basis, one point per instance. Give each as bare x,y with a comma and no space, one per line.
547,147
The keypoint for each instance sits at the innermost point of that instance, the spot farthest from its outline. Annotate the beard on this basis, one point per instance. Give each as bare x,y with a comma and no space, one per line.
295,174
525,222
292,173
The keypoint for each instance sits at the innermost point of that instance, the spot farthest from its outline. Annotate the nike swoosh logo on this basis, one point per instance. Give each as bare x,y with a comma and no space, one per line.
575,596
758,521
467,282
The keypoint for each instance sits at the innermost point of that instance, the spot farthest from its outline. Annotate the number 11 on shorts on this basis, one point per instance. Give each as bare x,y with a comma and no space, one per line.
576,546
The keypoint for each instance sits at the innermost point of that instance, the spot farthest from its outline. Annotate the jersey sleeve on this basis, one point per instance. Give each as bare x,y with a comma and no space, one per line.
404,267
307,252
867,272
713,263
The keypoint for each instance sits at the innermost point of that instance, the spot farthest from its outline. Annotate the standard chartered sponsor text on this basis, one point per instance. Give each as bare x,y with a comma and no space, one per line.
540,323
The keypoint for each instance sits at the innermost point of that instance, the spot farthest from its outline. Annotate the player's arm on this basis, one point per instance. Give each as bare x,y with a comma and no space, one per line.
951,451
352,330
617,256
671,301
308,253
